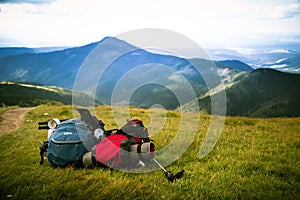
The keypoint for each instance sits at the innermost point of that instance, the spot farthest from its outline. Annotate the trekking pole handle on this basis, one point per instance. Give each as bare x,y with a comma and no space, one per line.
43,127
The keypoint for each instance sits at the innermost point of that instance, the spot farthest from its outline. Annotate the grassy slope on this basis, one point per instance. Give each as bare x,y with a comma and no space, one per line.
32,95
28,95
254,158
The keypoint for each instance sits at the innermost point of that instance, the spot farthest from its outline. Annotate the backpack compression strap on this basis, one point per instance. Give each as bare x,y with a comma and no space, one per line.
139,152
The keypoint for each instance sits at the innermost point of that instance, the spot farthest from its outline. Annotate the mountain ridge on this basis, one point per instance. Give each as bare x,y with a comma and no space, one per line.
60,68
261,93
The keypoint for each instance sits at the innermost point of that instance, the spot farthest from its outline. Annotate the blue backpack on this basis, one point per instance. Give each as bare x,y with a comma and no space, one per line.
68,143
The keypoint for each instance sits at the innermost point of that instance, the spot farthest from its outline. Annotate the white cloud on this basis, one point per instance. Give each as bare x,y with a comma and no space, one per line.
78,22
26,1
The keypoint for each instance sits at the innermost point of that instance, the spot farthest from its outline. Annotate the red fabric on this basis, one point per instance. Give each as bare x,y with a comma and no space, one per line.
135,121
108,150
138,140
152,149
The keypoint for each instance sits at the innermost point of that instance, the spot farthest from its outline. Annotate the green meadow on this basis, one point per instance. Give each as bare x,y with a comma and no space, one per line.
254,158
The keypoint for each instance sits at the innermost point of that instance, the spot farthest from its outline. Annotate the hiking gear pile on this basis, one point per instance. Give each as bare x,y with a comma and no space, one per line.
85,143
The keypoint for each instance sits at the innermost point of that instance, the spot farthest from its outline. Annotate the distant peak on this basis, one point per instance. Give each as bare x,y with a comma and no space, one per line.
111,39
114,41
108,38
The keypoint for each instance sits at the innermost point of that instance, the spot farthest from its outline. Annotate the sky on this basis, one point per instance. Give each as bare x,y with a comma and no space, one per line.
210,23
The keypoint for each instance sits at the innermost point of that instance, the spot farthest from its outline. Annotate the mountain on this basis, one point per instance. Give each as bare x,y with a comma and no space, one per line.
115,72
57,68
60,68
236,64
261,93
11,51
45,68
282,59
25,94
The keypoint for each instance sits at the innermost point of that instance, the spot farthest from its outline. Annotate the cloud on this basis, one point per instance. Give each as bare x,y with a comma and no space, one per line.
25,1
57,22
284,11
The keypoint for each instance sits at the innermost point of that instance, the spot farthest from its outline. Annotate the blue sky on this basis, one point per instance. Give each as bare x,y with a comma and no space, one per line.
211,23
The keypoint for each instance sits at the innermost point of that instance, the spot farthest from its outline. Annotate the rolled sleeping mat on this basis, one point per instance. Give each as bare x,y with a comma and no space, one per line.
89,160
144,151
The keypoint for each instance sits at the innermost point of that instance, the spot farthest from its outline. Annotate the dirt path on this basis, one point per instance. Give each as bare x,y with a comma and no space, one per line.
12,119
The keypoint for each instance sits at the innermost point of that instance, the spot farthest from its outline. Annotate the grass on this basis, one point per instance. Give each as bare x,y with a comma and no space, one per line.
253,159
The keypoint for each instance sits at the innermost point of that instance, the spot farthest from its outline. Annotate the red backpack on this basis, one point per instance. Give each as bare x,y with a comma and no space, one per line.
128,147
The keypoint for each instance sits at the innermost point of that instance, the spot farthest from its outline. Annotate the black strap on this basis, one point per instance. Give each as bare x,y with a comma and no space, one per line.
139,148
139,152
43,149
109,132
132,141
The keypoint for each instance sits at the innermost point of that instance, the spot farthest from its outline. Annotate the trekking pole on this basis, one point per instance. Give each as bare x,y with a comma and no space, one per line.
171,177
